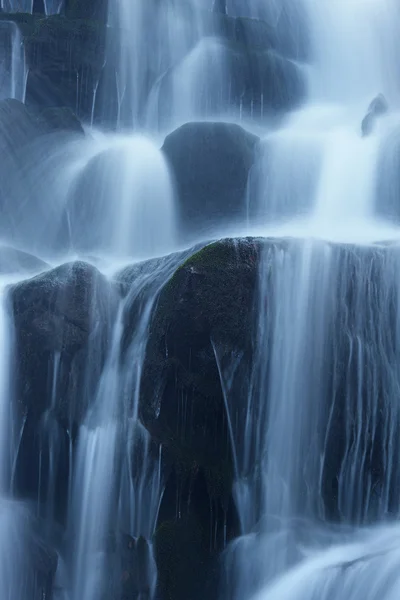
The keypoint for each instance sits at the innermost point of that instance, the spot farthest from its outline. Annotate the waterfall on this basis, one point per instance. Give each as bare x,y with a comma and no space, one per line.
12,57
322,407
52,7
113,366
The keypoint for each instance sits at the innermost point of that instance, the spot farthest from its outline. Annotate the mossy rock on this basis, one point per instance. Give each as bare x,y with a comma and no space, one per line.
206,308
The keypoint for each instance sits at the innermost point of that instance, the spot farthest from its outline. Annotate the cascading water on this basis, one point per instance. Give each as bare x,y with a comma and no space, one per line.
313,517
52,7
12,60
325,312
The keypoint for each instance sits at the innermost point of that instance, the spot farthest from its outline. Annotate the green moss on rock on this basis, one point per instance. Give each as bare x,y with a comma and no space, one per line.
206,306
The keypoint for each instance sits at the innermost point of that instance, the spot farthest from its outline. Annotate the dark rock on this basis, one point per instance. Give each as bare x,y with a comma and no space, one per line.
287,22
60,119
57,311
231,79
65,59
63,323
95,10
204,310
219,6
17,128
183,560
378,106
206,304
20,126
210,163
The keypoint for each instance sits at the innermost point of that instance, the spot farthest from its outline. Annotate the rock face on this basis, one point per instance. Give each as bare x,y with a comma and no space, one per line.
230,78
210,163
66,54
182,405
62,319
95,10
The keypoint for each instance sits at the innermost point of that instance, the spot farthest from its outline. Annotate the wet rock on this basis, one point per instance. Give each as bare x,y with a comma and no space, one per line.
229,78
203,316
63,321
17,261
57,312
183,560
87,9
135,573
65,59
210,163
60,119
219,6
17,127
378,106
205,306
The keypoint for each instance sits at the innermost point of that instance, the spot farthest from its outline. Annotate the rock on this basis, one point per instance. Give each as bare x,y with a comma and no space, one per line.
60,119
204,310
183,560
57,312
63,320
65,59
219,6
228,78
95,10
210,163
17,261
204,306
17,128
287,22
377,107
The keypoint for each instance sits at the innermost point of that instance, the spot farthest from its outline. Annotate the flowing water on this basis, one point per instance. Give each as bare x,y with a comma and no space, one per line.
51,7
316,476
325,379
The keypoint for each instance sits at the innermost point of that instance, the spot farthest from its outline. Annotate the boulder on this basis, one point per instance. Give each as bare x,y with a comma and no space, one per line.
65,57
229,78
287,22
210,163
60,119
17,127
134,572
87,9
377,107
57,312
203,311
63,320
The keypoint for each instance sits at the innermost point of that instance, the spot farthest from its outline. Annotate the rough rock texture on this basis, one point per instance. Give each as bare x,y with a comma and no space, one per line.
210,163
62,323
65,59
204,309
